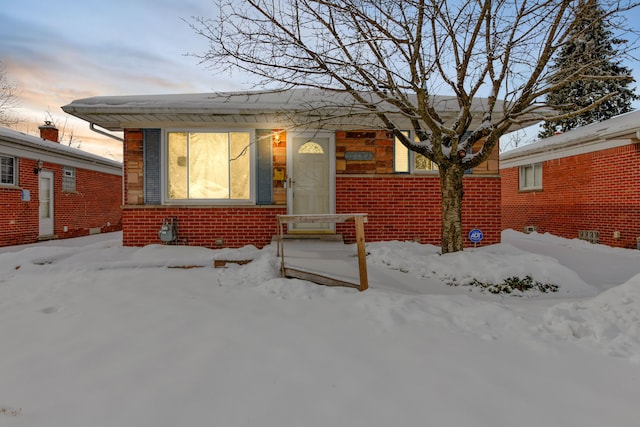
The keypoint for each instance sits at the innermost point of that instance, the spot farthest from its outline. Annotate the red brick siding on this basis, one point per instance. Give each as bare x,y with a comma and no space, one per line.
95,203
400,207
595,191
20,219
403,207
202,226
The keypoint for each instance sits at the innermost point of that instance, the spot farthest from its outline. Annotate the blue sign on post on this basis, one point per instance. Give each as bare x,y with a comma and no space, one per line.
475,235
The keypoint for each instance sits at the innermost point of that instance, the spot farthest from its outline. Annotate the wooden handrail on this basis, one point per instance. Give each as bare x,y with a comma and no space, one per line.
358,218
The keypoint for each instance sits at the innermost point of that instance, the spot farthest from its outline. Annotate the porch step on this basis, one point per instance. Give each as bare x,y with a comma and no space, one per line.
322,237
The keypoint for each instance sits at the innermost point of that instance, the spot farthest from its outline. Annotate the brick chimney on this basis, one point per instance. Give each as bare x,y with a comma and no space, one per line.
49,132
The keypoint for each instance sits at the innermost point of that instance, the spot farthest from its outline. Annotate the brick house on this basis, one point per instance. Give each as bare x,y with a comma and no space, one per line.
51,191
268,160
584,183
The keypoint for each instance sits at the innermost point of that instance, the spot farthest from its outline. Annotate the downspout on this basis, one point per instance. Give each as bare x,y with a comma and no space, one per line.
92,126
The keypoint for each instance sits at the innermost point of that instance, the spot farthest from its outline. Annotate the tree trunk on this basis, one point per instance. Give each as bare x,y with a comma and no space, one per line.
451,186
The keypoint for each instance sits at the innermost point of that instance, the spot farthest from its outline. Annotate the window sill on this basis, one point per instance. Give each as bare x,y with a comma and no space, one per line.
530,190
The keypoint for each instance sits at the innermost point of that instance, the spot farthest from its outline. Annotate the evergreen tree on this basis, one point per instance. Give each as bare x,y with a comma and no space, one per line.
591,67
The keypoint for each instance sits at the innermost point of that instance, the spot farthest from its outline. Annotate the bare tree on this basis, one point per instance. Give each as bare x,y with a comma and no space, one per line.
400,54
8,98
518,138
65,132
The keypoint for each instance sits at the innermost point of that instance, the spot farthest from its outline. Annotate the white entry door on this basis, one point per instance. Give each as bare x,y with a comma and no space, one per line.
45,191
311,185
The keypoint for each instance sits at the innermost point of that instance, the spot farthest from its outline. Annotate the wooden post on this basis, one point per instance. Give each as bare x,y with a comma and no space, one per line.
281,247
362,254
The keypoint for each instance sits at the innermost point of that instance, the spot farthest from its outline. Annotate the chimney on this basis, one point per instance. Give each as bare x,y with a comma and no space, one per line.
49,132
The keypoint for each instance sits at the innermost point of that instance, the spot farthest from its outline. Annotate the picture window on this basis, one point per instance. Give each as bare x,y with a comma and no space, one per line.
209,166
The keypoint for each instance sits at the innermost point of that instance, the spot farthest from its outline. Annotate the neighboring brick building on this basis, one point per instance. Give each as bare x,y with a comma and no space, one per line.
265,166
581,184
51,191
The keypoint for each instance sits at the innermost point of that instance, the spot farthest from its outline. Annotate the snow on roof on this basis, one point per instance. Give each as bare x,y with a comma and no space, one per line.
115,112
291,99
31,146
592,135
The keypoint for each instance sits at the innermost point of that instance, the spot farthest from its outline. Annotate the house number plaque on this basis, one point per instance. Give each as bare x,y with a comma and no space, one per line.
358,155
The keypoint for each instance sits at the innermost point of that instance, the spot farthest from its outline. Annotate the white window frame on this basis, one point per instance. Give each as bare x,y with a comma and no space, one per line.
68,179
536,170
165,170
15,170
399,151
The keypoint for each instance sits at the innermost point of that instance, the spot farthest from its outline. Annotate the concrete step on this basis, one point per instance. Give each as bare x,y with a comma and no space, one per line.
321,237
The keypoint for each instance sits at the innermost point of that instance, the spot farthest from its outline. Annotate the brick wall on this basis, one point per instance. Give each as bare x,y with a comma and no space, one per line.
203,226
400,207
597,191
96,203
19,219
197,226
408,207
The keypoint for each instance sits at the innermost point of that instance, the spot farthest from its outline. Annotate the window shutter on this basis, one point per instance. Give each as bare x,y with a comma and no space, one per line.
264,181
151,147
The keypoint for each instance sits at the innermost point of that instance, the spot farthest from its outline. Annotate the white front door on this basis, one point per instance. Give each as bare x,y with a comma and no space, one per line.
311,185
45,191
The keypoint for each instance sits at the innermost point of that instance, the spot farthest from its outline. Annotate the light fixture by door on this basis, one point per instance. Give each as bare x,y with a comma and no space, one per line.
37,169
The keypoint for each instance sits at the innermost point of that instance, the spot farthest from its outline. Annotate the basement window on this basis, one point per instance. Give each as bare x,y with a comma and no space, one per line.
68,179
8,170
531,177
591,236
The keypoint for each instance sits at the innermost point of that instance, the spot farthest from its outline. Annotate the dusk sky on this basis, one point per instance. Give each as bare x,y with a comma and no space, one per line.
59,51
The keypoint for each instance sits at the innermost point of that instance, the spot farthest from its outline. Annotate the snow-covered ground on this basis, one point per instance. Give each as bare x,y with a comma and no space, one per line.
96,334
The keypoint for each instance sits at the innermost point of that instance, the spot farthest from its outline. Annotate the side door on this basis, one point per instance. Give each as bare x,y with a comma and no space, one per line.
45,196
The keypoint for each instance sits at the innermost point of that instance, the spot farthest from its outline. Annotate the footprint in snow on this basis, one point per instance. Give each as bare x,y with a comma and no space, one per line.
50,310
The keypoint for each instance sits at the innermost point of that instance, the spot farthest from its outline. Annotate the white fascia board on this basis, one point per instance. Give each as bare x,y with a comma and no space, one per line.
50,156
553,153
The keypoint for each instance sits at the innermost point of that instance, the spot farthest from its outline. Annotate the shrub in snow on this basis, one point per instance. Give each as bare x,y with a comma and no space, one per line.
511,284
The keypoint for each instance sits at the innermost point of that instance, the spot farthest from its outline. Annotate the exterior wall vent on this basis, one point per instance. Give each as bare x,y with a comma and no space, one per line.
528,229
590,236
